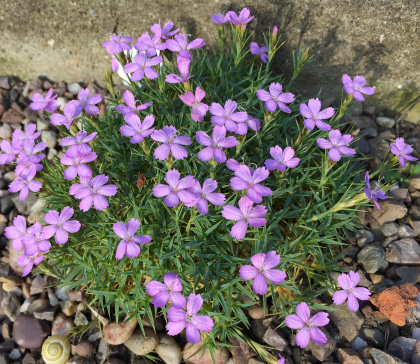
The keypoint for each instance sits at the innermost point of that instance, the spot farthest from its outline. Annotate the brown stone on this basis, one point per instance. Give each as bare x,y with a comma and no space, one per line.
393,302
84,348
348,356
221,356
241,351
116,334
12,116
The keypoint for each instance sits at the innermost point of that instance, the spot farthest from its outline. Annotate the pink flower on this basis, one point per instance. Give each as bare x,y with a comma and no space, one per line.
253,123
130,243
148,44
143,67
79,142
25,164
20,137
246,180
220,19
84,182
16,232
180,44
205,194
60,224
10,151
163,292
165,31
307,326
243,18
184,71
313,115
115,65
66,119
117,44
259,51
199,110
246,214
40,102
176,189
24,184
373,194
350,292
94,193
136,129
281,159
356,87
402,150
76,161
171,143
281,360
336,145
275,98
131,108
36,241
262,270
86,102
178,320
215,144
228,117
28,262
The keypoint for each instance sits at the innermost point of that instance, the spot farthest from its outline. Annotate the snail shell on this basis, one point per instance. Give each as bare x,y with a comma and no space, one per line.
56,349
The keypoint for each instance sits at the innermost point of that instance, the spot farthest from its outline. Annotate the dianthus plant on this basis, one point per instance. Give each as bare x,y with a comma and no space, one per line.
208,185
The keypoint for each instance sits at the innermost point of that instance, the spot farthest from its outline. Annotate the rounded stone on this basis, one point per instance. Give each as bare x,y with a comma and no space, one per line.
84,348
116,334
168,350
141,344
221,356
30,333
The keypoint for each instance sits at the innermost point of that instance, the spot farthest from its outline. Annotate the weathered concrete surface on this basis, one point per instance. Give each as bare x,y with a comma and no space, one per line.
379,38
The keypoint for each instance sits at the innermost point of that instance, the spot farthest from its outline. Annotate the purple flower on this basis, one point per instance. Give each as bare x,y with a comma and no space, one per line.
198,109
246,180
281,159
178,320
205,194
48,102
25,164
117,44
243,18
336,145
77,161
84,182
171,143
180,44
373,194
215,144
136,129
24,184
246,214
281,360
184,70
115,65
60,226
131,108
86,102
233,165
148,44
164,31
314,115
36,241
227,116
10,151
350,292
143,67
220,18
402,150
307,326
130,243
356,87
259,51
176,189
275,98
79,142
16,232
262,270
30,149
20,137
253,123
94,193
28,262
163,292
66,119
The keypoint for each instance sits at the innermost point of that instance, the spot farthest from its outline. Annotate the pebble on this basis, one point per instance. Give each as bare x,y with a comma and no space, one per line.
11,306
9,176
364,237
347,322
28,359
49,137
116,334
358,343
5,132
53,298
68,307
14,354
4,82
257,311
409,273
140,344
221,356
74,88
404,251
389,212
381,357
11,116
60,293
46,314
379,146
168,350
62,325
61,101
26,303
369,110
416,333
29,332
38,285
385,122
275,339
321,352
5,331
348,356
80,319
389,229
12,288
402,348
374,337
42,124
241,351
372,258
414,183
84,348
115,361
38,305
362,122
389,240
372,132
96,336
26,290
376,278
103,351
406,231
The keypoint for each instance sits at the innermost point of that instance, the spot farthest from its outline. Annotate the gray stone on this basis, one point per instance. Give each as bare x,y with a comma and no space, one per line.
372,132
62,325
29,332
361,145
402,348
38,305
400,194
14,354
389,212
168,350
389,240
404,251
6,203
38,285
49,137
372,258
364,237
103,351
390,228
321,352
347,322
356,108
45,314
74,88
3,358
374,337
406,231
362,122
11,306
5,132
416,333
140,344
80,319
379,146
275,339
42,124
24,207
409,273
385,122
380,357
414,183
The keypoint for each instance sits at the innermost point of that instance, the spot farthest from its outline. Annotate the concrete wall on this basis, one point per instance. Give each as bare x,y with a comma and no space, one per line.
379,39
